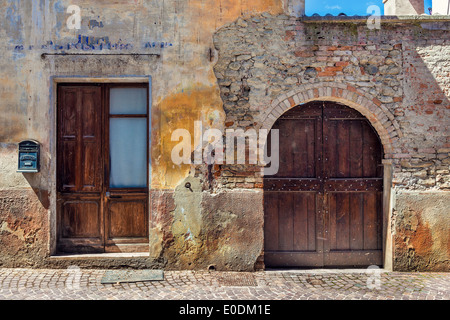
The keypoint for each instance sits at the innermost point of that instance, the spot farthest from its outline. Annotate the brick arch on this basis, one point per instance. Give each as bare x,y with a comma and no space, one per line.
379,116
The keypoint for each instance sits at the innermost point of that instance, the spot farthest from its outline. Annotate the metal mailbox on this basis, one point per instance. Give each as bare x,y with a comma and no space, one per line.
29,155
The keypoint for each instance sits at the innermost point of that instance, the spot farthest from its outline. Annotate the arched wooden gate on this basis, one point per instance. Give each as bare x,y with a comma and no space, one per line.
324,206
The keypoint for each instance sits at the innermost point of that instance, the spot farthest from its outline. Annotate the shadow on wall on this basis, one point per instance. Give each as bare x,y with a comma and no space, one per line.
421,241
35,183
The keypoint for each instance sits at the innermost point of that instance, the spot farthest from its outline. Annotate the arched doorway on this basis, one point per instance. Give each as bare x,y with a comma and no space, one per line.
324,206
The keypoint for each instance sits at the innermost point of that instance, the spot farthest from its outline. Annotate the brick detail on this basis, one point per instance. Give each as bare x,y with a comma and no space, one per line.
370,107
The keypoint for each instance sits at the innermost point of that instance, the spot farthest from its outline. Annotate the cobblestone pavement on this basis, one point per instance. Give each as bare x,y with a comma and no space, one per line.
46,284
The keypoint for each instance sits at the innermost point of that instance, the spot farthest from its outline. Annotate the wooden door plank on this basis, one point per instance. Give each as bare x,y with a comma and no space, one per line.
371,152
286,221
356,221
312,217
342,221
67,134
289,143
356,149
330,149
343,149
379,204
310,148
90,167
91,140
331,222
81,219
271,221
300,231
298,148
370,221
67,168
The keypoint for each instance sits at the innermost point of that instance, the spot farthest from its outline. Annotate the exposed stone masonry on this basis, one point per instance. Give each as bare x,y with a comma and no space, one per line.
401,69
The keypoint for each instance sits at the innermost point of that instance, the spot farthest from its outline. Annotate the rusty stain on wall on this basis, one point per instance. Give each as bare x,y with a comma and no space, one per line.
198,103
421,232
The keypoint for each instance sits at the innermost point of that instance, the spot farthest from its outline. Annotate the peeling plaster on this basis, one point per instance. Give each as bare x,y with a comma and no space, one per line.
19,233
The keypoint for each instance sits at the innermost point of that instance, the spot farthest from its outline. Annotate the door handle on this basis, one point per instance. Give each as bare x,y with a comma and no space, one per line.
108,194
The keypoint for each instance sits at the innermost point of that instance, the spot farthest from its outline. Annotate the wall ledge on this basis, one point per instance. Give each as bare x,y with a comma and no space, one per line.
384,19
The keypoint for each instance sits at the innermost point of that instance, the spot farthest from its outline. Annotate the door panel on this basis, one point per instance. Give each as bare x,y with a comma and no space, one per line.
67,137
79,139
353,180
127,223
356,221
68,170
79,169
271,209
89,218
293,227
127,191
81,219
91,179
127,219
342,221
372,153
304,245
304,222
80,226
323,208
291,221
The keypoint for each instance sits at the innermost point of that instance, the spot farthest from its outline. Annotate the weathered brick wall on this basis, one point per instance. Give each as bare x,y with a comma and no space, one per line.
424,115
402,68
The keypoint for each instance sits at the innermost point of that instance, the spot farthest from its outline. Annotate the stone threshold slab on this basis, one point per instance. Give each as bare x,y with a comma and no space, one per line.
100,256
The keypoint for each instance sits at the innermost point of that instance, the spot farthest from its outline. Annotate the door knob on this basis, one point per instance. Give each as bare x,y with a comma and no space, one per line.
108,194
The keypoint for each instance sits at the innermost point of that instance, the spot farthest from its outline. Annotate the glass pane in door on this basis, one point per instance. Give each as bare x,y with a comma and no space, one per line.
128,101
128,151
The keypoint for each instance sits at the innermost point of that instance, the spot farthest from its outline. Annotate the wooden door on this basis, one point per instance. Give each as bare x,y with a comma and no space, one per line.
93,214
353,186
126,181
80,167
293,197
323,207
